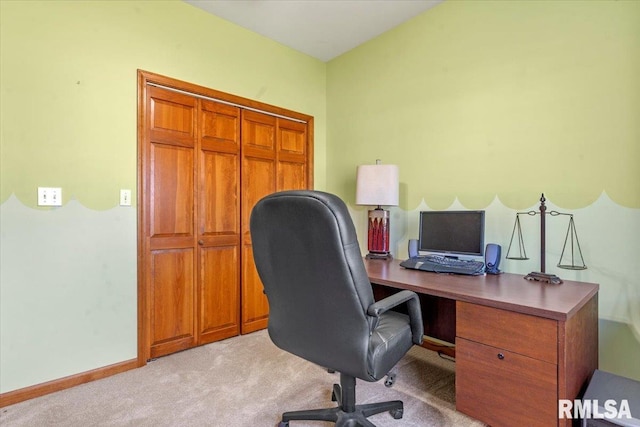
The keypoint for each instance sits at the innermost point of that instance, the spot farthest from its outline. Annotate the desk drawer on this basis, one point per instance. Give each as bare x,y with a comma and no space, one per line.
502,388
528,335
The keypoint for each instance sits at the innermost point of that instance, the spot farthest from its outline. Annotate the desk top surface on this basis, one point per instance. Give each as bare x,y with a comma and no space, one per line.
507,291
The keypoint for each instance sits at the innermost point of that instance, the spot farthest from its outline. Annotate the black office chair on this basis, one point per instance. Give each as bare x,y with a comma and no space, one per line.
321,304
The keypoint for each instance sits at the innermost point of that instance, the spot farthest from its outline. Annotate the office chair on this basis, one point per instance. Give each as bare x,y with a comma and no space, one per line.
321,305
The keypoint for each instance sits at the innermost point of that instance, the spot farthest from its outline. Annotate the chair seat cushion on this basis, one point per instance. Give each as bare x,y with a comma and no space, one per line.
390,341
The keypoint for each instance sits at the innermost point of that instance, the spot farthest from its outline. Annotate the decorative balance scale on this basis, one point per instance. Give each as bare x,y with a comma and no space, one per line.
571,239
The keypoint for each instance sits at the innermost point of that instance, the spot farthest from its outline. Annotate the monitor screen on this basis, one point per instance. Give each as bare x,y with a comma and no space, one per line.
452,232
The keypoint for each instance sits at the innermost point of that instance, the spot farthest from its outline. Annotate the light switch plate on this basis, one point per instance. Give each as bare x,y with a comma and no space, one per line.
49,196
125,197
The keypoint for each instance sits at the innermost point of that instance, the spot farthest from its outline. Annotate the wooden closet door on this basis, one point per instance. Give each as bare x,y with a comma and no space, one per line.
205,159
274,158
170,236
219,222
258,180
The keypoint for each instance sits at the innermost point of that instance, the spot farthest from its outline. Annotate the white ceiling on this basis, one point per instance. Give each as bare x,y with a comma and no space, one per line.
323,29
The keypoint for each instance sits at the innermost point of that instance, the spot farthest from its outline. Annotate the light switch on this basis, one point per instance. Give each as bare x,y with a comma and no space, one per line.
49,196
125,197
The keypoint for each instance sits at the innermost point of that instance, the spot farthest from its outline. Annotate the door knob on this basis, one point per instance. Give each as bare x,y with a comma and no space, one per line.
201,242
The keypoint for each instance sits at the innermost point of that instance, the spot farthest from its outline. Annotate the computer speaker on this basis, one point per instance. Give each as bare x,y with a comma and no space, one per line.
413,248
492,258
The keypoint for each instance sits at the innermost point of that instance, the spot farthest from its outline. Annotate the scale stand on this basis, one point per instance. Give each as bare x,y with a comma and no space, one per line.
542,276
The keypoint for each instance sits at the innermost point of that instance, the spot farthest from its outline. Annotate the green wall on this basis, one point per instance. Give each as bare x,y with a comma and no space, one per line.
487,104
68,79
69,86
478,98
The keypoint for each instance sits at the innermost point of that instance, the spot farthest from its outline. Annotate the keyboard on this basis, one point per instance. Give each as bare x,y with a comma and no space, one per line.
440,264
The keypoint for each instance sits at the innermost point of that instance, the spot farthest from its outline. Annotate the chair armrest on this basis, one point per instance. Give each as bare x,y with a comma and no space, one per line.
413,306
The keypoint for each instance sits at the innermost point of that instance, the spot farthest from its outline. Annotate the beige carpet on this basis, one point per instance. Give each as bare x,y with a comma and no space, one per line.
244,381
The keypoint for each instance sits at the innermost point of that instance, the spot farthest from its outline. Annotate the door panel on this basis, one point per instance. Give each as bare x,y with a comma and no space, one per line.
221,123
169,215
219,223
171,117
220,293
219,170
292,138
259,169
291,176
258,181
255,306
172,301
171,195
171,112
258,133
219,194
292,158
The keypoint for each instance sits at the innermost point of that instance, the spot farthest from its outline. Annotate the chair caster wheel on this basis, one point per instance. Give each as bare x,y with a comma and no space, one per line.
283,424
396,413
391,378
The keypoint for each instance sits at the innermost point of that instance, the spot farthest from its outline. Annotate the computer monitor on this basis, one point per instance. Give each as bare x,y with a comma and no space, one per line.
452,232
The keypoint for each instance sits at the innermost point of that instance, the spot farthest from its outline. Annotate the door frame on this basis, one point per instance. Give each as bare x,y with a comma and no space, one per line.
145,79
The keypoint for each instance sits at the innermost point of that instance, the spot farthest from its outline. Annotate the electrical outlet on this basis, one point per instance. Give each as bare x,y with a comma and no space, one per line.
125,197
49,196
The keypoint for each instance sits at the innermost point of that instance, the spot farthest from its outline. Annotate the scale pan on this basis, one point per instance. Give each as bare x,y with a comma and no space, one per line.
572,267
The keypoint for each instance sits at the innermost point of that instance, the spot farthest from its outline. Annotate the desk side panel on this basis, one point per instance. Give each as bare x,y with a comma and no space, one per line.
578,352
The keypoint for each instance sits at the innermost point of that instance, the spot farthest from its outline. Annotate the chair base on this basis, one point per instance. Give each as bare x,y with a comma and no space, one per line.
347,414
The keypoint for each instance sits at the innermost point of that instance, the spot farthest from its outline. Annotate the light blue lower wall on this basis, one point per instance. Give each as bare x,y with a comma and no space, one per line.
68,291
619,349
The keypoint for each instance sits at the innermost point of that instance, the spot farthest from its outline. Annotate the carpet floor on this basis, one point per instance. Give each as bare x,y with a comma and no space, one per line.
244,381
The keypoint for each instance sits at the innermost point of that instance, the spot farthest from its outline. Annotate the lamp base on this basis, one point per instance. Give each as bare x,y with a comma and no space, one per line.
378,232
378,255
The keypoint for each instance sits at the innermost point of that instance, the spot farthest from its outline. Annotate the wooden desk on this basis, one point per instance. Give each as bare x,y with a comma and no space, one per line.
520,345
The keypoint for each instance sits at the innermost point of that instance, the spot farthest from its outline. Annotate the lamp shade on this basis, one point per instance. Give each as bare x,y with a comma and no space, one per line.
377,185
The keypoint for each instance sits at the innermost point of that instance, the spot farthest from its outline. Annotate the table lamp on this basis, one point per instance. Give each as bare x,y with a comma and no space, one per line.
377,185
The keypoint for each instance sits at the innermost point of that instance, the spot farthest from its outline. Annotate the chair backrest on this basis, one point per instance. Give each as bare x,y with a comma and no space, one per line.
307,255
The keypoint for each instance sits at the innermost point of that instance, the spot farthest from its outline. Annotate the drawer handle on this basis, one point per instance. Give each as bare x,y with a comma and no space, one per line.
500,356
